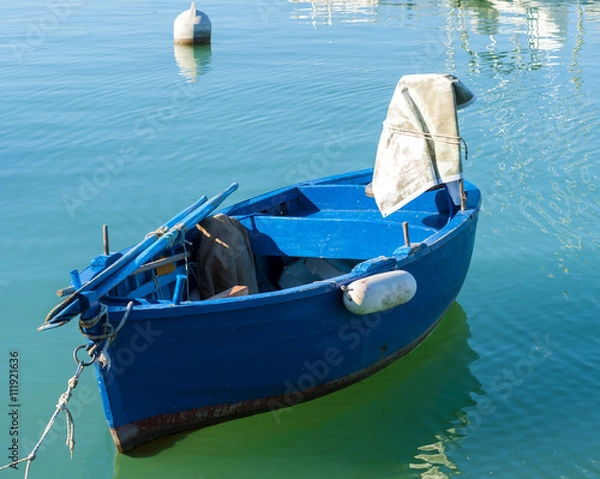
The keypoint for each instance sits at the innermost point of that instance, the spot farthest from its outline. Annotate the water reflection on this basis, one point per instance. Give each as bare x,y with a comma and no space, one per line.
403,420
511,36
326,11
502,34
192,60
543,23
550,192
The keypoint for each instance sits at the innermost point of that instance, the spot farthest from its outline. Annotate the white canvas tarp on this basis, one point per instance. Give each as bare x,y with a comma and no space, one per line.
420,144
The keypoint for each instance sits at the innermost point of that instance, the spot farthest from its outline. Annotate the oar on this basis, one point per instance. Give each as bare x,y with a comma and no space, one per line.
70,309
123,260
165,241
150,239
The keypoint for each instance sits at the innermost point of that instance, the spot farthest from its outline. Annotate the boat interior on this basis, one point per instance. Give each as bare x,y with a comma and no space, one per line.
295,237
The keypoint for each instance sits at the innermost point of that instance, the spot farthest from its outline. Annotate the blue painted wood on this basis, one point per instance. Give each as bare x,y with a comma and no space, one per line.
208,361
327,237
166,241
134,258
71,301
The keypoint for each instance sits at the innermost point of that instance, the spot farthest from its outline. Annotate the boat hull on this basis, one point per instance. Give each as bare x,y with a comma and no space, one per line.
175,368
128,436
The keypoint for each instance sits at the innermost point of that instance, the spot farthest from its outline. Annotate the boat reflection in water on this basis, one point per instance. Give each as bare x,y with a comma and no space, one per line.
192,60
403,420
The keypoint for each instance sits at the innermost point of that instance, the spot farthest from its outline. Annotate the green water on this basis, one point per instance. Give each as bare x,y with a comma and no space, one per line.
101,121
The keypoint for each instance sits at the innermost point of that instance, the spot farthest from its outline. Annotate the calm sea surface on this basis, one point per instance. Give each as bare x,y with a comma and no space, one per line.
102,121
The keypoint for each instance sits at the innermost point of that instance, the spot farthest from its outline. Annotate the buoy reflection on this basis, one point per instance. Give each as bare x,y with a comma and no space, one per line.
192,60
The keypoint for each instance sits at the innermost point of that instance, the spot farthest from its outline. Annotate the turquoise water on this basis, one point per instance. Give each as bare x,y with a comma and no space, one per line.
103,122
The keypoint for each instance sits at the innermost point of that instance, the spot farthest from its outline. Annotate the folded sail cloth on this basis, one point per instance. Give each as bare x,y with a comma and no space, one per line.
420,143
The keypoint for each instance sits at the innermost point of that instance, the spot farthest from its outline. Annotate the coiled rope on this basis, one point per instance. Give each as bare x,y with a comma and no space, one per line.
107,331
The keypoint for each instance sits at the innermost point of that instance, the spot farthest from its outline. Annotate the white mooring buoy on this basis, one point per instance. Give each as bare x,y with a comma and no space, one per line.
192,27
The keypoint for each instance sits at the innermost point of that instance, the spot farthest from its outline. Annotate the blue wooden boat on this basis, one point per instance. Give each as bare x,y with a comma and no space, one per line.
340,292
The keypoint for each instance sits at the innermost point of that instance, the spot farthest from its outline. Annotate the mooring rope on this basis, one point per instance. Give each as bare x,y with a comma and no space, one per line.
107,335
62,405
108,331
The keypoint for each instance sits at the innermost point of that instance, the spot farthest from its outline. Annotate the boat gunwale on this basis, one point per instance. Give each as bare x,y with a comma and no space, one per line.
399,258
402,257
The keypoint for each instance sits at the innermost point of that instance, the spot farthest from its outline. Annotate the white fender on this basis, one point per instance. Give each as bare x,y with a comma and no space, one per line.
379,292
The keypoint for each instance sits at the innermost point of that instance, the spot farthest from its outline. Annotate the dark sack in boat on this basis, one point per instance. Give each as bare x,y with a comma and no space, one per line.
224,256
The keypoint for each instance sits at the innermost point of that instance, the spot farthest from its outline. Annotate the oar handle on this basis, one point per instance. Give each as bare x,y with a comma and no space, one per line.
124,260
165,241
140,254
195,217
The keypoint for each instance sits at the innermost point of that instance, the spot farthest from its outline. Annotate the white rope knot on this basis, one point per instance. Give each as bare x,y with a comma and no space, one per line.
63,400
158,232
177,232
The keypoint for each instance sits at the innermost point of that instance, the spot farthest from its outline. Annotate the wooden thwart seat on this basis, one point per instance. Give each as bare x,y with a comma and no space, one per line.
329,237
